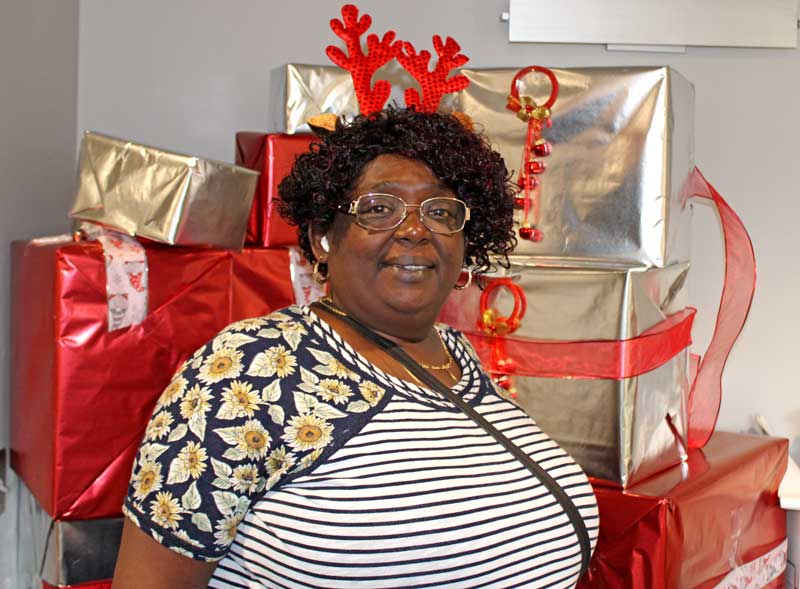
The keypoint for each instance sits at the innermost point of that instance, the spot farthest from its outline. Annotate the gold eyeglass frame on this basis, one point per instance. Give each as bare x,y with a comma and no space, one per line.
351,210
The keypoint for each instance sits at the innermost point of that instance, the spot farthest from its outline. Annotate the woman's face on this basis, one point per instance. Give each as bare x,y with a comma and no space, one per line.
394,278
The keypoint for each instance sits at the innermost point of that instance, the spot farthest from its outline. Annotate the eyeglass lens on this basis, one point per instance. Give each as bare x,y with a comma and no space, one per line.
385,211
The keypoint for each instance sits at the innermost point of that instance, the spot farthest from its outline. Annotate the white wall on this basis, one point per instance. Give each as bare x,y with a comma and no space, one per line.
38,112
188,74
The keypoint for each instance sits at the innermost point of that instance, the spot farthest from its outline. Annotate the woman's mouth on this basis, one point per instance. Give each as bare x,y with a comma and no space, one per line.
410,263
409,267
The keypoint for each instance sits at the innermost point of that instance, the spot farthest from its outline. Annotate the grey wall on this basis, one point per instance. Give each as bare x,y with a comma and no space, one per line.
189,74
38,113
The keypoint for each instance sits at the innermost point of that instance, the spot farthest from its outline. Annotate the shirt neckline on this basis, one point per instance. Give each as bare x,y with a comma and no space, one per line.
467,386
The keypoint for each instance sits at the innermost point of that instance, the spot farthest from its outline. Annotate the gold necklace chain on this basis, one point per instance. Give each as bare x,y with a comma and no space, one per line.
447,366
328,303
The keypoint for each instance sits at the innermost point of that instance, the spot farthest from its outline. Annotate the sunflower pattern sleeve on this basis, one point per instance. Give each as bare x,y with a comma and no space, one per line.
252,409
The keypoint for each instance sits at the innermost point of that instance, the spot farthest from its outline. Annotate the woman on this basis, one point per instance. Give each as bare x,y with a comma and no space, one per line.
310,448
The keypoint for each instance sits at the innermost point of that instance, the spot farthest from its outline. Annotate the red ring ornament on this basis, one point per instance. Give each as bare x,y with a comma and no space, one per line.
514,100
490,320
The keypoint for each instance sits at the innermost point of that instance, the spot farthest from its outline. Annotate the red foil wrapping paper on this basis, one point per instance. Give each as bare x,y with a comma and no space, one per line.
81,395
273,155
691,525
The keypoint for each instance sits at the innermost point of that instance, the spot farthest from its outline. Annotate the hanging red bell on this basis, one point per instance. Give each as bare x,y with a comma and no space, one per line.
536,167
526,232
504,381
537,236
519,200
505,364
542,148
528,182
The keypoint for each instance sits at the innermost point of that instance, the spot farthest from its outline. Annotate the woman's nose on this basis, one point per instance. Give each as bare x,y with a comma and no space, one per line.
412,225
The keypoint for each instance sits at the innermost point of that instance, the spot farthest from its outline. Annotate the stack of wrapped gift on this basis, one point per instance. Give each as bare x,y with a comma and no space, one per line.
101,320
600,357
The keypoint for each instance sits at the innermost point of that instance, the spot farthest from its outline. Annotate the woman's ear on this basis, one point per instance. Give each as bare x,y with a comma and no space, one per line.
319,243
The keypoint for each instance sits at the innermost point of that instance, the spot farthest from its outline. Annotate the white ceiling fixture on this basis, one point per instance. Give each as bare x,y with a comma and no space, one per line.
653,23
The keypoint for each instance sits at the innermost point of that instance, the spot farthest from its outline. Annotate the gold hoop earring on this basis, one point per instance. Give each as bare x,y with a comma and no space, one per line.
318,276
466,284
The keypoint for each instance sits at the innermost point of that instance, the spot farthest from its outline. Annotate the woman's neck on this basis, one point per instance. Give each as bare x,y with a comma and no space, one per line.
409,332
404,329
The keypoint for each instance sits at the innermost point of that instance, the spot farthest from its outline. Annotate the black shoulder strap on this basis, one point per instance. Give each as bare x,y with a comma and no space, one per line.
429,380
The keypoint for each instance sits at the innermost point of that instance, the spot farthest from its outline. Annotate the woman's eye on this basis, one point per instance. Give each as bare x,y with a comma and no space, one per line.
440,213
377,210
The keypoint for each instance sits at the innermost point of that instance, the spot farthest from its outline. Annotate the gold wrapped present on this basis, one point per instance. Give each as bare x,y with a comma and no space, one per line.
163,196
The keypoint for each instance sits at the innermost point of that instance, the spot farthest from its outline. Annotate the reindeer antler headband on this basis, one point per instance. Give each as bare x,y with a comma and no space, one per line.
362,67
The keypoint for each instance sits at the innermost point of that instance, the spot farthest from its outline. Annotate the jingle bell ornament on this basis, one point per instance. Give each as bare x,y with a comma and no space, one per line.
536,167
542,148
529,182
536,116
496,325
531,233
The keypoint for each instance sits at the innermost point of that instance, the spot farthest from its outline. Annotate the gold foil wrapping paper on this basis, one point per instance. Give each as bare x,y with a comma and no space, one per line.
163,196
622,146
616,429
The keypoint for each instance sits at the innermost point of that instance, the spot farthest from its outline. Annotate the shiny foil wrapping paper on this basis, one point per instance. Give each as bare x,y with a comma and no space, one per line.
56,553
91,391
692,525
622,146
615,428
163,196
272,155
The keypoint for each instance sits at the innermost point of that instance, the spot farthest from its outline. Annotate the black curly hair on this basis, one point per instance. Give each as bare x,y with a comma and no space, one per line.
321,179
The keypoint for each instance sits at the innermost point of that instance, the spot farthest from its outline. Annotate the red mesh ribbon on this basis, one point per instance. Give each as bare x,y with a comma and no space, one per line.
590,358
737,295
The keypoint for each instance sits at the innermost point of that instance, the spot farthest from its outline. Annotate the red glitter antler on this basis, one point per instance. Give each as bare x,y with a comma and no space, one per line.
434,83
361,66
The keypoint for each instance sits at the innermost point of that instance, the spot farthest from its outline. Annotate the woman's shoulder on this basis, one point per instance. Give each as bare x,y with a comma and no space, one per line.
282,331
260,404
287,320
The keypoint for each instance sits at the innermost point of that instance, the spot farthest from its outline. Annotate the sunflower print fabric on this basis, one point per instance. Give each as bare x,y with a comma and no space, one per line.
257,406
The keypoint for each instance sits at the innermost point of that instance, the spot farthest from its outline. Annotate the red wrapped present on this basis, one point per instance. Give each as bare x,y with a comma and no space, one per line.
273,155
714,522
81,394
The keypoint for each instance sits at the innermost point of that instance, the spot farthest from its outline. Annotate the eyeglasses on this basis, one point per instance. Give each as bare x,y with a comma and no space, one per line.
381,212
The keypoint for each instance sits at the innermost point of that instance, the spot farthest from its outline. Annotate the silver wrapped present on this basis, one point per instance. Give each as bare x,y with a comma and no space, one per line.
163,196
619,429
622,147
63,553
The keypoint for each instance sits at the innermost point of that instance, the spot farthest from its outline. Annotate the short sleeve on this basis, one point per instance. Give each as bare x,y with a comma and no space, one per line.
228,427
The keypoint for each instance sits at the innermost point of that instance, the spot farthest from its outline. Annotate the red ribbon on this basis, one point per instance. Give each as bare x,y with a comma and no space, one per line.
738,287
591,358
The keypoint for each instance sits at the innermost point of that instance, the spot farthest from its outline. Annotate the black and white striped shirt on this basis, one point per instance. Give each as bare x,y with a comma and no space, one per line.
420,497
410,494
